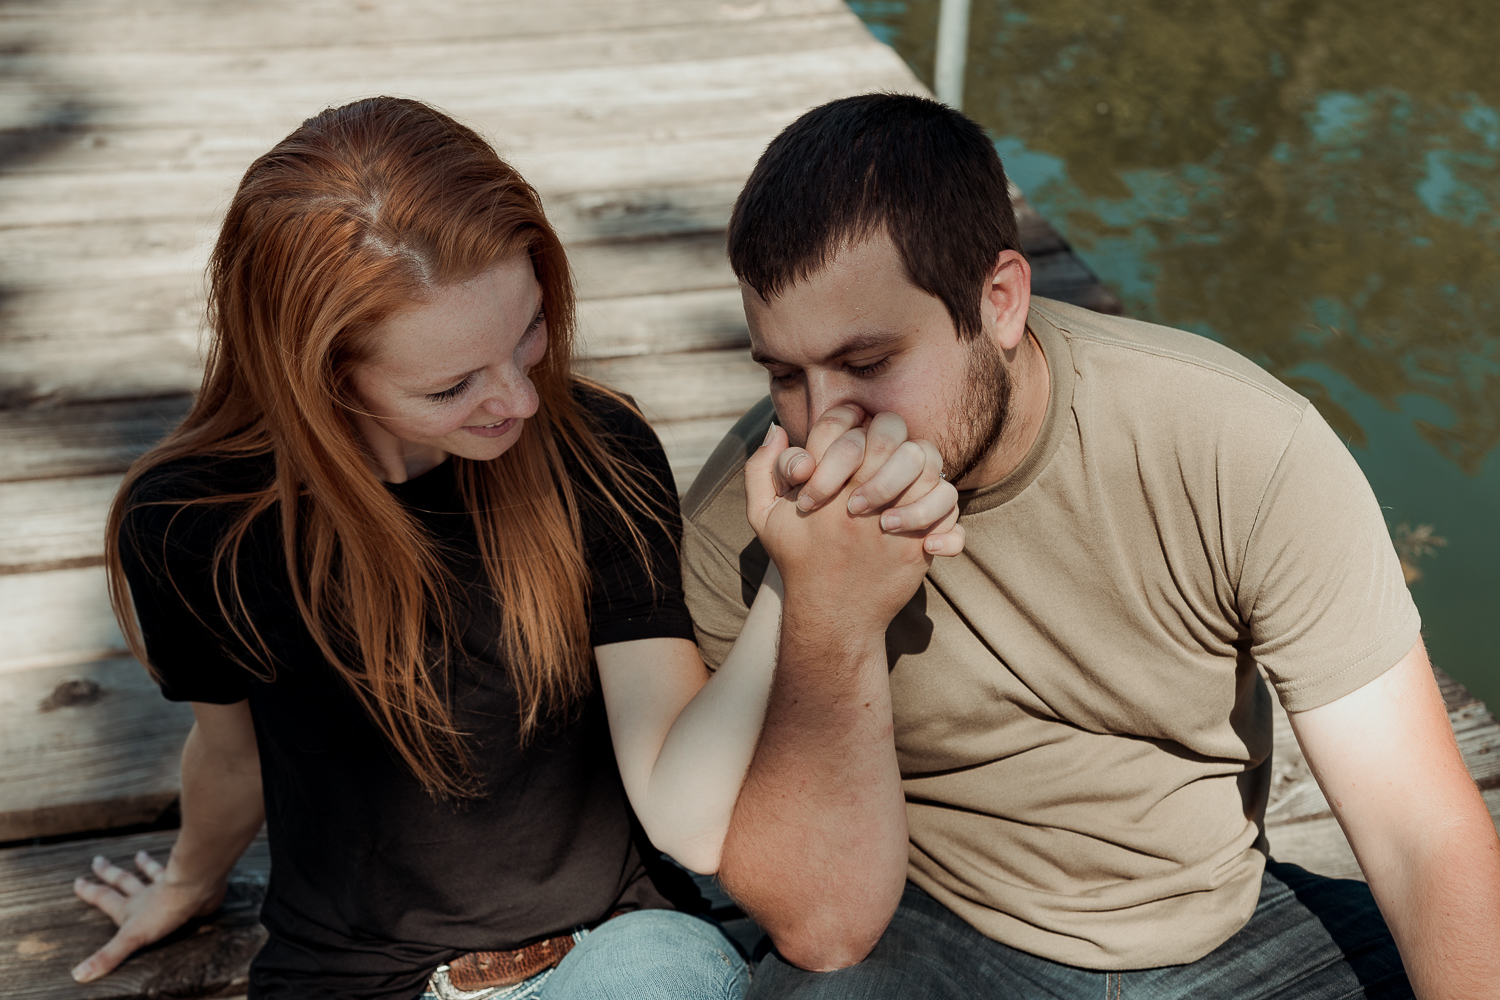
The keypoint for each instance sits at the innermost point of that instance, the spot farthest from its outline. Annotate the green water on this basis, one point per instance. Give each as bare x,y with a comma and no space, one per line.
1313,183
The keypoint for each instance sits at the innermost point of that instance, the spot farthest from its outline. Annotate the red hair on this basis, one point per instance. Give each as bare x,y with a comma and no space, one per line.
360,212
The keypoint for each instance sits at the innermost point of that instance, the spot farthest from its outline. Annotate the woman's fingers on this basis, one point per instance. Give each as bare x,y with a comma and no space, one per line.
107,959
904,470
102,897
149,866
945,543
111,874
925,512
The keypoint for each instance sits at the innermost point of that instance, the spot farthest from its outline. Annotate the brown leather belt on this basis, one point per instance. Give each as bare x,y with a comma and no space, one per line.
482,970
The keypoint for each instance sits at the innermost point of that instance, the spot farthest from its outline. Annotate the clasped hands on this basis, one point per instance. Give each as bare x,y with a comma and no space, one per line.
852,520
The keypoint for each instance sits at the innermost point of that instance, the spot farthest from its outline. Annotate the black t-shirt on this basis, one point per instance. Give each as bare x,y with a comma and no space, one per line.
373,882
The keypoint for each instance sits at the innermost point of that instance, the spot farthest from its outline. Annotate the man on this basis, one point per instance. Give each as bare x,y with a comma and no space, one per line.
1050,763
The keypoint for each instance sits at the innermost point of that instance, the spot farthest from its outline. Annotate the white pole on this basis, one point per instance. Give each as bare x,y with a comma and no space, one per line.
952,47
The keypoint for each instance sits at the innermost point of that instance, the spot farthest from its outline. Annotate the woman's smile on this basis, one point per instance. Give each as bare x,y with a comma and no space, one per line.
495,430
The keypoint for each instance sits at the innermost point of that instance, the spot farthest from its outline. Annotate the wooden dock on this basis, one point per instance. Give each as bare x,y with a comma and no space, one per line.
126,126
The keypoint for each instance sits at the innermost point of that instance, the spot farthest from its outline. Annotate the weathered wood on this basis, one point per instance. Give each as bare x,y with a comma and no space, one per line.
56,617
1299,823
84,439
482,54
720,383
86,747
688,444
264,26
54,523
45,930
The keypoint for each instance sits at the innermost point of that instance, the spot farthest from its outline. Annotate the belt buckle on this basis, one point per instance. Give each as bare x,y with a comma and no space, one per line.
445,990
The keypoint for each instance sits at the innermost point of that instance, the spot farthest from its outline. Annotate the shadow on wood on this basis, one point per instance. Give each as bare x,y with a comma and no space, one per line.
45,930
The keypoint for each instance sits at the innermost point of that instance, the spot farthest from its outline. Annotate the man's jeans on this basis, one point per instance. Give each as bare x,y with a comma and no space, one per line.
1311,938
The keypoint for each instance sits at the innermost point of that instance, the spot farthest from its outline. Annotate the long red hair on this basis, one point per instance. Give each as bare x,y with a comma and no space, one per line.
362,211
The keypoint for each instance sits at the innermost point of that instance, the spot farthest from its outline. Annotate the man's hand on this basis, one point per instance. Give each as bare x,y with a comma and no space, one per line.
146,907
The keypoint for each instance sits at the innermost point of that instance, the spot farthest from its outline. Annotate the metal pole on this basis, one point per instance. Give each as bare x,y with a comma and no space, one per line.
952,47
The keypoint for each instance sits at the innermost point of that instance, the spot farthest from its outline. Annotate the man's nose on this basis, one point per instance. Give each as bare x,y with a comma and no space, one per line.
825,391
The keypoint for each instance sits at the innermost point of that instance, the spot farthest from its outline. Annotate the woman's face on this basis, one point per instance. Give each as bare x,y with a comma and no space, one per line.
449,376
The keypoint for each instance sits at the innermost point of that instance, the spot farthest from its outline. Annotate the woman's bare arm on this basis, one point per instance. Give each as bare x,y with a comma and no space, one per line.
222,809
685,741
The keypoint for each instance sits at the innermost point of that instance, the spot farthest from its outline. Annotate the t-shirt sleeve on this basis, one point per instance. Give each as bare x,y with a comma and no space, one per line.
632,598
1322,591
167,552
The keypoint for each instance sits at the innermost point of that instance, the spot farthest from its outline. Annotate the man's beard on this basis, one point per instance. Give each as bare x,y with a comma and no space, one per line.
981,412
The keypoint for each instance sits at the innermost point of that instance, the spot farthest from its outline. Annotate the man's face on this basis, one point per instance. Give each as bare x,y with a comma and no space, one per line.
859,332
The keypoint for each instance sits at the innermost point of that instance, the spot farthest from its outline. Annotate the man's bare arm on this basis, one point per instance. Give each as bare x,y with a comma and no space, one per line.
1386,759
817,848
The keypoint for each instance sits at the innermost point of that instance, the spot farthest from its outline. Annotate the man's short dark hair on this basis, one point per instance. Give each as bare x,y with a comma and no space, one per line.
925,174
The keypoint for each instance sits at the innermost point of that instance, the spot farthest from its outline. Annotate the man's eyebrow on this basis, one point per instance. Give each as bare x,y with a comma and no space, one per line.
859,343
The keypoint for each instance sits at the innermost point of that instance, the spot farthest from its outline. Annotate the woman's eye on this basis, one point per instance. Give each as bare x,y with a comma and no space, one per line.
451,393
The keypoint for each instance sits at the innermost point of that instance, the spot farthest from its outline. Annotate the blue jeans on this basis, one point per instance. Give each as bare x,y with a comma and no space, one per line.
1310,938
643,955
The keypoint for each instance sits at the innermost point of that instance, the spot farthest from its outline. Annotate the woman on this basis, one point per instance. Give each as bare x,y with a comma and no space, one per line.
382,557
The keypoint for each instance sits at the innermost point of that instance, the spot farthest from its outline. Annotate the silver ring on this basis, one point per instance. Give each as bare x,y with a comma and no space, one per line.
943,475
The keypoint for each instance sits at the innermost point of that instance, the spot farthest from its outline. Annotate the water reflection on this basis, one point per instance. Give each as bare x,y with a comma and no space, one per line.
1314,183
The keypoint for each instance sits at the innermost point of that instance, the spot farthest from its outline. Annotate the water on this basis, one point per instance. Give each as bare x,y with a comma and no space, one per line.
1313,183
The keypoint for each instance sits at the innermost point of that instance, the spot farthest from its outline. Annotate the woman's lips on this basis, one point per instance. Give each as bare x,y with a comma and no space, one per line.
501,429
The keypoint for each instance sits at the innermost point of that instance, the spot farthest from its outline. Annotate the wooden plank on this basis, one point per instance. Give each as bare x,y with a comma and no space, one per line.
54,523
171,254
1299,823
93,361
98,26
491,96
45,930
688,444
678,262
477,52
656,324
86,747
85,439
685,386
55,618
1319,845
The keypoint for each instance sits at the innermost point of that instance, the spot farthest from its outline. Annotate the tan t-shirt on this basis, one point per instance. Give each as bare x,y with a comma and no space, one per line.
1084,739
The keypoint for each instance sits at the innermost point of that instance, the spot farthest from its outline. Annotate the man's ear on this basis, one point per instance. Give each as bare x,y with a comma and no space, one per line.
1008,298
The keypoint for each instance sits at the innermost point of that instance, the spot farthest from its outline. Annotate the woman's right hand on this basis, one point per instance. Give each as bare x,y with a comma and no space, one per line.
146,907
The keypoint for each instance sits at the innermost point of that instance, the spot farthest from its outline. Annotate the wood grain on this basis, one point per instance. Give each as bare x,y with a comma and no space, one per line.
1299,822
86,747
45,930
56,617
84,439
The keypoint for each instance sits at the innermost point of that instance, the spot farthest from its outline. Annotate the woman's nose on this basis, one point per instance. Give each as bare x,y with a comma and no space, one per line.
513,395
